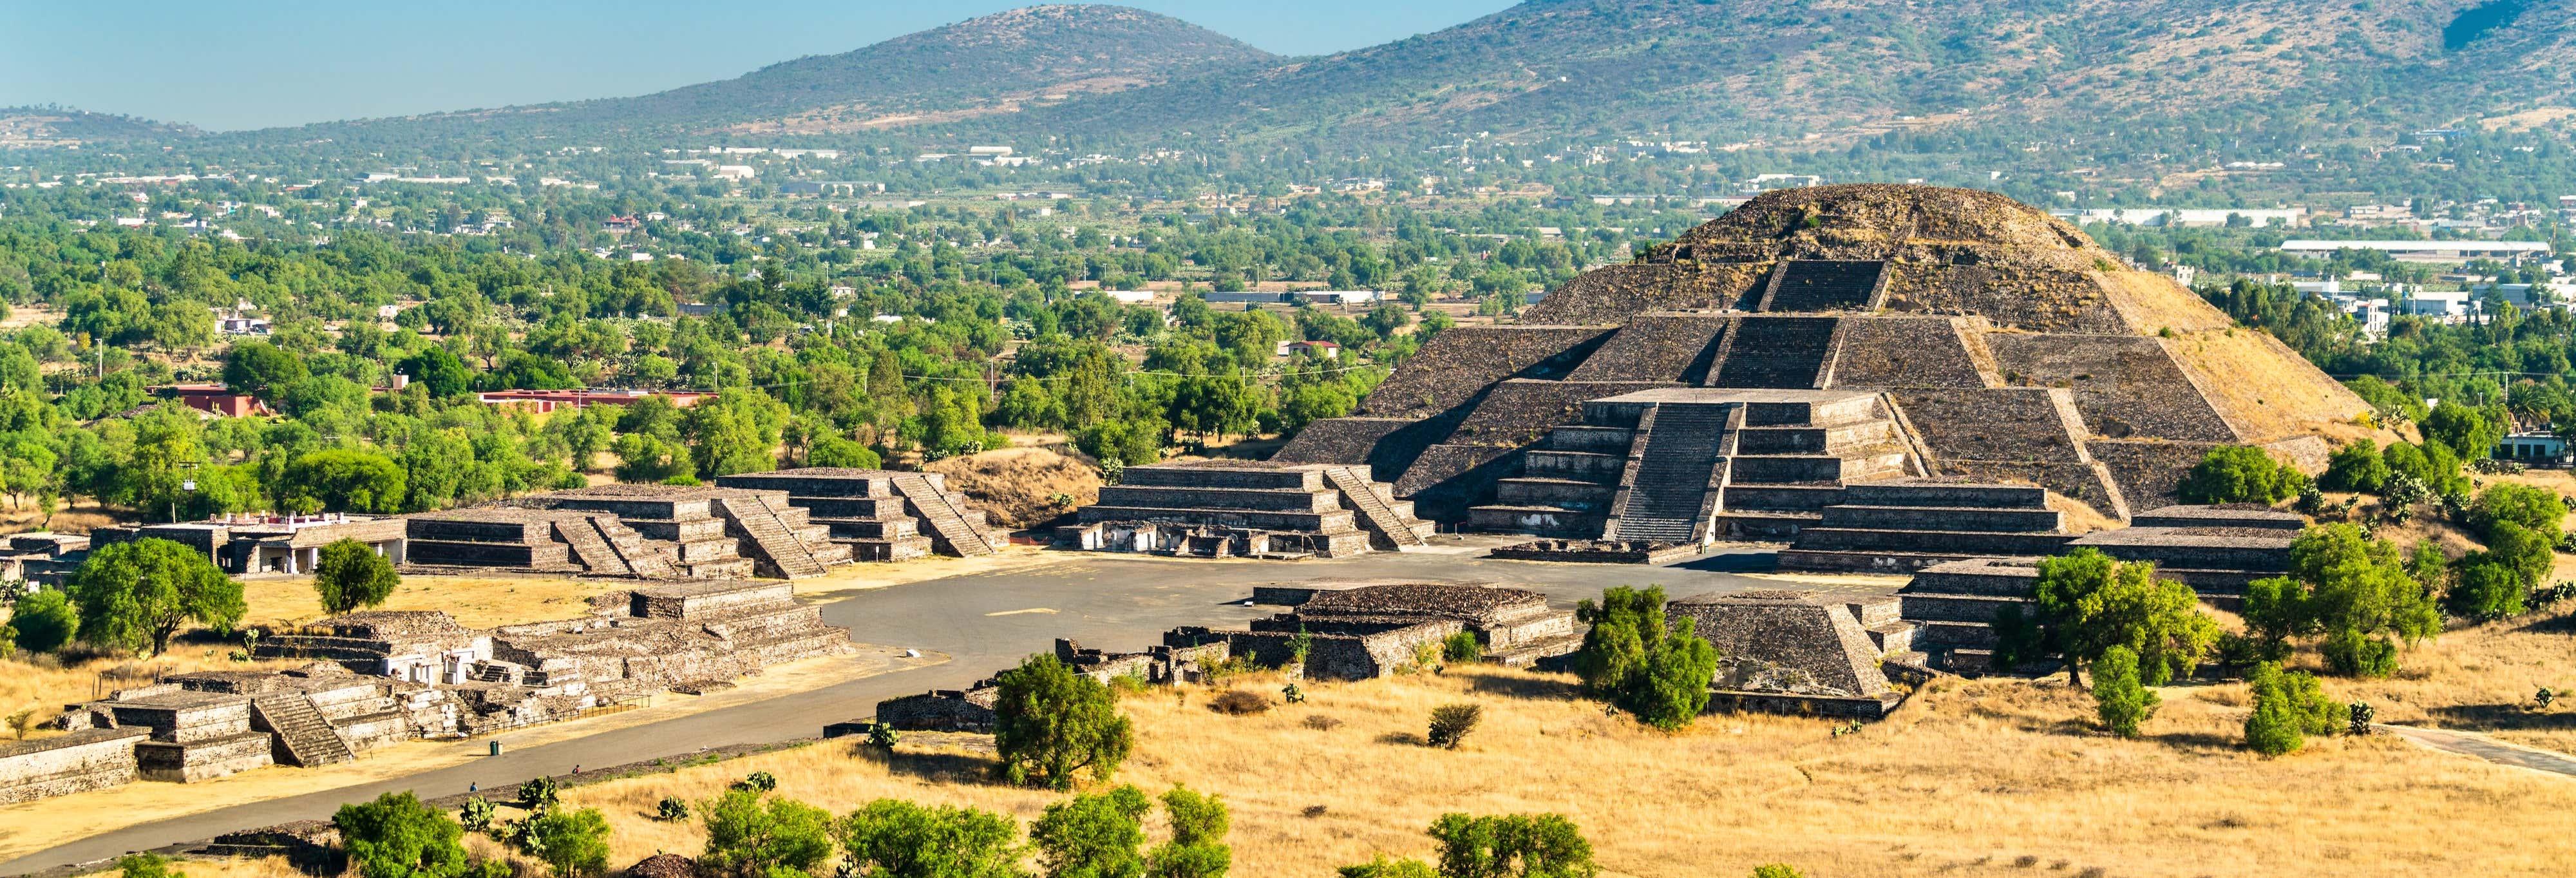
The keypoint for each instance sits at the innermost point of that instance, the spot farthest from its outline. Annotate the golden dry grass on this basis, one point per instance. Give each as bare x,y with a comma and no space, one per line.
2483,679
47,684
2266,391
476,602
1973,778
1013,484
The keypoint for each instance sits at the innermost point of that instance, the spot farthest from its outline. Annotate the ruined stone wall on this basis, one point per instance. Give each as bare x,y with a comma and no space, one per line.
2016,424
1905,352
936,711
2125,386
1460,362
202,760
1673,348
81,761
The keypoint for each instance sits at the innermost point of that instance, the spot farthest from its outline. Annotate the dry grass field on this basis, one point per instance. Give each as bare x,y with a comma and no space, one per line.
476,602
1972,778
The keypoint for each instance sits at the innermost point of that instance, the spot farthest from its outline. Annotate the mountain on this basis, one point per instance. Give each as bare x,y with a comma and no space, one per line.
994,64
63,126
1747,69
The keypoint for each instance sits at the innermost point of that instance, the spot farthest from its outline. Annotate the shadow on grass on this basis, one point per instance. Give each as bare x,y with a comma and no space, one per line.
1732,562
2500,718
1525,687
2195,740
945,765
1408,739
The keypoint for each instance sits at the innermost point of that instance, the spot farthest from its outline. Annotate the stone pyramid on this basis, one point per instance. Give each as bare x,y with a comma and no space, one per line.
1823,337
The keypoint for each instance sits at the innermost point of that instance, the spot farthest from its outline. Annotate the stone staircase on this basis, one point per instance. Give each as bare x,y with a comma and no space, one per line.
1668,494
947,524
771,538
589,548
1384,524
1954,605
303,737
1776,352
1823,285
1788,460
1907,525
642,557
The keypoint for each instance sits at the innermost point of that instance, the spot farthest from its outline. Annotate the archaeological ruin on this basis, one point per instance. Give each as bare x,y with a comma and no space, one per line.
883,515
639,531
1232,508
1885,377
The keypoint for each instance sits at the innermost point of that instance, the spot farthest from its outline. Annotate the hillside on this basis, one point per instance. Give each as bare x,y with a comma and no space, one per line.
1749,69
62,126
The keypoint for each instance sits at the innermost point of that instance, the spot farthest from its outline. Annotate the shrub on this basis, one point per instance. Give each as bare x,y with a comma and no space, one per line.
1051,723
351,575
2359,715
2288,706
572,843
1450,724
1634,660
1462,649
2118,698
1238,702
1198,848
147,866
2272,731
2240,474
44,621
1386,868
2356,467
2535,509
1777,870
395,836
758,782
883,736
1093,835
540,794
476,815
748,837
672,808
1541,846
2487,590
896,839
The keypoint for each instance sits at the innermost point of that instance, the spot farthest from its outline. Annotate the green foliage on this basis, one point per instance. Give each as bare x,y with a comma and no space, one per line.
342,480
1386,868
2532,508
890,838
352,575
671,809
749,837
44,621
2240,474
2119,698
1052,724
2357,466
476,815
2356,591
2288,706
2084,603
758,782
1093,835
260,369
1633,659
883,736
2470,433
135,594
146,866
2492,583
1777,870
1513,846
572,843
1450,724
1462,648
842,452
1197,848
395,836
540,794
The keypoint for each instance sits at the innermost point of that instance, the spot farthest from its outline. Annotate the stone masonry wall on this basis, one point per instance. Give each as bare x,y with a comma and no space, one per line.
81,761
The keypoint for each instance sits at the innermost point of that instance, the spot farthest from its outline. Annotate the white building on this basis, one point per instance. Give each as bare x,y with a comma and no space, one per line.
2424,251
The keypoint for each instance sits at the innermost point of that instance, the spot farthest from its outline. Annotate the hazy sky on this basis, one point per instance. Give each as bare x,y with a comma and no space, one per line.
243,64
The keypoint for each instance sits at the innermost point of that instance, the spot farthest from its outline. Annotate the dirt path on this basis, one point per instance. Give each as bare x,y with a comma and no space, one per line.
2483,747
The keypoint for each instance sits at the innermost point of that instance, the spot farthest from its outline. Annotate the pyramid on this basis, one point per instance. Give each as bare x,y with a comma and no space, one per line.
1953,348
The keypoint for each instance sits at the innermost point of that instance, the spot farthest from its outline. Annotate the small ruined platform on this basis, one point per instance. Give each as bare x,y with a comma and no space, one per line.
1595,551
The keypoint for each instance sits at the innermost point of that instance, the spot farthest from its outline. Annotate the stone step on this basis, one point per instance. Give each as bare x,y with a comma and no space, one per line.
948,525
1574,494
1761,525
1977,608
1809,439
1583,465
1865,561
1947,518
1544,521
307,739
1955,635
1932,541
1892,636
1910,493
1375,515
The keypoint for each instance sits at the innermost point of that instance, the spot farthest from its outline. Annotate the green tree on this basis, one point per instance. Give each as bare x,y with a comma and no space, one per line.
842,452
2084,603
1777,870
1633,658
136,594
1051,724
749,837
2357,466
1093,835
1386,868
146,866
44,621
2240,474
2470,433
1512,846
353,575
2532,508
2118,698
261,369
573,843
891,838
440,371
1198,848
2356,591
344,480
396,836
2288,706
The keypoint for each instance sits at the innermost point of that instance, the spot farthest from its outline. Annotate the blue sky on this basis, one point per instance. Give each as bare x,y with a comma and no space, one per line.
241,64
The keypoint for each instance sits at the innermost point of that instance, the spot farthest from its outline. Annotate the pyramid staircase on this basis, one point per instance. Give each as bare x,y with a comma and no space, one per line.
951,526
1907,525
642,557
1824,285
1783,353
1387,528
773,538
1664,494
591,548
303,737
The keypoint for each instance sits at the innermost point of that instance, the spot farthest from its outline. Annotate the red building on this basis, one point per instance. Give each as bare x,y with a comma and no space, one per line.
213,399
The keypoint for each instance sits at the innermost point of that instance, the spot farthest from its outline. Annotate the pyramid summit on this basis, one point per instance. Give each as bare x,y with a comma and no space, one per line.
1906,344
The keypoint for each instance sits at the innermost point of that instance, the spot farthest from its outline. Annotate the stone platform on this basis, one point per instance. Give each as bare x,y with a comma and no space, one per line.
882,515
1246,509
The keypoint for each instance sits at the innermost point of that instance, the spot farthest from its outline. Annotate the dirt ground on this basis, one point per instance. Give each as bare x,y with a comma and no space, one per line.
1017,486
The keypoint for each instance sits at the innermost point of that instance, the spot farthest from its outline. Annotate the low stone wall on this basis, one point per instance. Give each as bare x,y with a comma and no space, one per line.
936,711
1842,707
1593,552
77,762
202,760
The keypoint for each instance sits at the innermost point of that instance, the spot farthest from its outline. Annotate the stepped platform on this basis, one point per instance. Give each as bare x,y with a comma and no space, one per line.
1905,525
1247,509
1803,652
861,509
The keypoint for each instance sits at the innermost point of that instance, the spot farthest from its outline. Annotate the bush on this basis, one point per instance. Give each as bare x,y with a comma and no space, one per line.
1777,870
2487,590
540,794
1237,702
2288,706
2355,467
476,815
2240,474
1634,660
2118,698
147,866
2534,509
896,839
395,836
748,837
1462,648
1450,724
1542,846
2272,730
351,576
572,843
1198,848
1051,724
1093,835
758,782
1386,868
672,808
44,621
